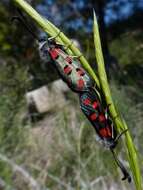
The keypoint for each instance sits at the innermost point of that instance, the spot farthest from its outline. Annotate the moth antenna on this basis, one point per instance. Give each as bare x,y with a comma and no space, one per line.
23,21
120,135
121,166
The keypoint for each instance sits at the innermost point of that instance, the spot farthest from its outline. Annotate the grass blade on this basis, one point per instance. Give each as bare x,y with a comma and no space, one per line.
118,122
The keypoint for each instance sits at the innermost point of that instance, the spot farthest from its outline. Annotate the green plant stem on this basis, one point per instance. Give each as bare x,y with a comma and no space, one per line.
118,121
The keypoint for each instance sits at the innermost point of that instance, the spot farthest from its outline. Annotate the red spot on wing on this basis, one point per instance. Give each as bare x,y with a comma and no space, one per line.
102,118
95,105
93,116
80,83
54,53
109,131
67,69
86,101
105,132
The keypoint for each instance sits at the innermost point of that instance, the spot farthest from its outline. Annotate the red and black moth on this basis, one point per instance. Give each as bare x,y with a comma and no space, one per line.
93,109
79,81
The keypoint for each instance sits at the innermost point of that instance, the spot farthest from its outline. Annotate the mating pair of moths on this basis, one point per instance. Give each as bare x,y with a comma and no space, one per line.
80,82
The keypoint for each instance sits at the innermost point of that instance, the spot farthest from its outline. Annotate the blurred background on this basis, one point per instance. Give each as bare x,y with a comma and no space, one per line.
46,143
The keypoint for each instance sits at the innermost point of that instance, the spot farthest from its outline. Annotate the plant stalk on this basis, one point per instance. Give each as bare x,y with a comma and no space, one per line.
118,121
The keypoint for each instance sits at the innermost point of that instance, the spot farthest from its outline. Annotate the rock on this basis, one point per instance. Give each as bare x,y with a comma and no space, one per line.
59,86
46,98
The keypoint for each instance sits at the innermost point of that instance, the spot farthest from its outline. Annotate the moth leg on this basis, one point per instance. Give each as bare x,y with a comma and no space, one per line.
54,37
68,46
76,56
107,110
120,135
107,114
